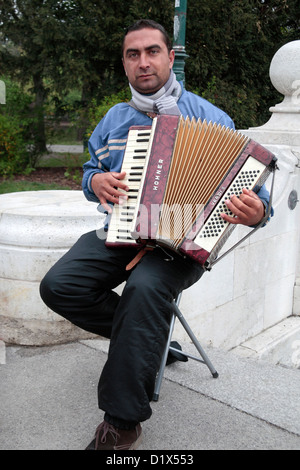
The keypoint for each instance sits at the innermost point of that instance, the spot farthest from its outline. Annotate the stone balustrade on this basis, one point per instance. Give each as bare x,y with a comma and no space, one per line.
36,229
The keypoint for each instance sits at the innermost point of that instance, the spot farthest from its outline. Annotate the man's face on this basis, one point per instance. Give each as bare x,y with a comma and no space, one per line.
146,59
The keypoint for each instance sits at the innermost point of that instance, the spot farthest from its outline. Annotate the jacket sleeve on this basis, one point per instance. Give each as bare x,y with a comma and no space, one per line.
264,196
98,150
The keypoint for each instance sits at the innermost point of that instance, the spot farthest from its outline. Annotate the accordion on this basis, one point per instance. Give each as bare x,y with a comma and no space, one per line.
179,173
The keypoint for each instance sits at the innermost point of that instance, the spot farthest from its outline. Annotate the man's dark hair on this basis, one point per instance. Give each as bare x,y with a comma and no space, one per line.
141,24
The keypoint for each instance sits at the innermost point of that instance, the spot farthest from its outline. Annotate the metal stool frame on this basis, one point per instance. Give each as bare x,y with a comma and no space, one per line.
205,360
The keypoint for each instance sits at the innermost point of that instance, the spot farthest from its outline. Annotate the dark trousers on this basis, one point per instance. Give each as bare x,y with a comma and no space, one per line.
79,287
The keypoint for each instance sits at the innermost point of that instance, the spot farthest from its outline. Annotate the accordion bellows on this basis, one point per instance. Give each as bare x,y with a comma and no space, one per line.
179,173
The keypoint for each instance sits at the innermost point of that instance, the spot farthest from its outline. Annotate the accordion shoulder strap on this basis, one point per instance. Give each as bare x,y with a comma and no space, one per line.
139,256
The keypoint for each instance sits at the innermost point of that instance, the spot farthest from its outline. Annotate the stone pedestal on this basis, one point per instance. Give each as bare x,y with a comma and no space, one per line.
36,229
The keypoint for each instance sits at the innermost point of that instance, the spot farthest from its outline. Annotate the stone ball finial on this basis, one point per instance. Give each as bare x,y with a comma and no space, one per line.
283,127
285,72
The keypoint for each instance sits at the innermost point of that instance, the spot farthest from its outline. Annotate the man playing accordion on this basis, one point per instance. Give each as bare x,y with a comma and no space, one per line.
80,285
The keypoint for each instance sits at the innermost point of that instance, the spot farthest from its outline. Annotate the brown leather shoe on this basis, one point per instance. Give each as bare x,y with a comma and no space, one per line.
107,437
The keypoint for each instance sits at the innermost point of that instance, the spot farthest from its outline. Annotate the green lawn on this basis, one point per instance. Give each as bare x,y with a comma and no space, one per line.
17,186
63,135
70,161
63,159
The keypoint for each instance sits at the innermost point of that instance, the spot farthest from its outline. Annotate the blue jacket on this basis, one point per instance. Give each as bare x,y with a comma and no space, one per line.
107,143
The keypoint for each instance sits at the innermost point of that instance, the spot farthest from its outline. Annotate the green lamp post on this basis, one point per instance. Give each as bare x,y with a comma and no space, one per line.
179,39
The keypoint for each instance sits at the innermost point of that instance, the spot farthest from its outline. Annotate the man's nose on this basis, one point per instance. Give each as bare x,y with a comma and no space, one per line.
144,61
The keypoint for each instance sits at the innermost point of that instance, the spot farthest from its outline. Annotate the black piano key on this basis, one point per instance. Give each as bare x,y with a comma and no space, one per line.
143,133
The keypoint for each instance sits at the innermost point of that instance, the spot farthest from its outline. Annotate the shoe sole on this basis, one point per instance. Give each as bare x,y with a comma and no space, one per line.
137,443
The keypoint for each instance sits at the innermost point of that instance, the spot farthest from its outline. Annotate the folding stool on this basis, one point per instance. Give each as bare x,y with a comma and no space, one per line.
178,314
205,360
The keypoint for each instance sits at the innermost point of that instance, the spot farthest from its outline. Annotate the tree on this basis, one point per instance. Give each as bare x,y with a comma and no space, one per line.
37,29
62,44
230,47
54,46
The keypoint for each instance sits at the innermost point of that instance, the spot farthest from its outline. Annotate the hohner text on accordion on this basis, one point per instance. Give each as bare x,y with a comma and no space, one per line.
157,175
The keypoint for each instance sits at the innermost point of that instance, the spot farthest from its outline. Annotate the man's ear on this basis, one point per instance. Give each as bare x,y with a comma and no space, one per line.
171,58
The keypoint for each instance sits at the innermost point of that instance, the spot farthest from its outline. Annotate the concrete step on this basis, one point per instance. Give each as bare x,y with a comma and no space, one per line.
279,344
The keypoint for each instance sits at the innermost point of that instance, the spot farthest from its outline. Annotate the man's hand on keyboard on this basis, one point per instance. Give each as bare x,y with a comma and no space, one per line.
107,186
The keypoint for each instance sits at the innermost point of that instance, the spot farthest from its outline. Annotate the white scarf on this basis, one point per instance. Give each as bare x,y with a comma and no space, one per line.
164,101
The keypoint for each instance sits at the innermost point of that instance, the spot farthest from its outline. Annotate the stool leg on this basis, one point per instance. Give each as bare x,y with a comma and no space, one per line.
195,341
163,362
177,313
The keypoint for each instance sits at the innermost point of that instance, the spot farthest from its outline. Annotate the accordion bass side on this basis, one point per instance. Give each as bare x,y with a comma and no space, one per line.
179,173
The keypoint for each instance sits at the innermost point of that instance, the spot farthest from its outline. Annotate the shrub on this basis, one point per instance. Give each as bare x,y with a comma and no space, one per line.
14,157
17,128
98,111
239,103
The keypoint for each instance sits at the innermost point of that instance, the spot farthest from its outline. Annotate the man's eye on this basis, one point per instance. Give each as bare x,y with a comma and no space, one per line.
132,54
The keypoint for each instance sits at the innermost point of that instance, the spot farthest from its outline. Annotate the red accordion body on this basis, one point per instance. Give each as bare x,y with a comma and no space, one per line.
179,173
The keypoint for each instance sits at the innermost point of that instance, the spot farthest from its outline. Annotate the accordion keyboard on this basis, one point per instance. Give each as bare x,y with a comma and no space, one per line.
134,164
215,227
